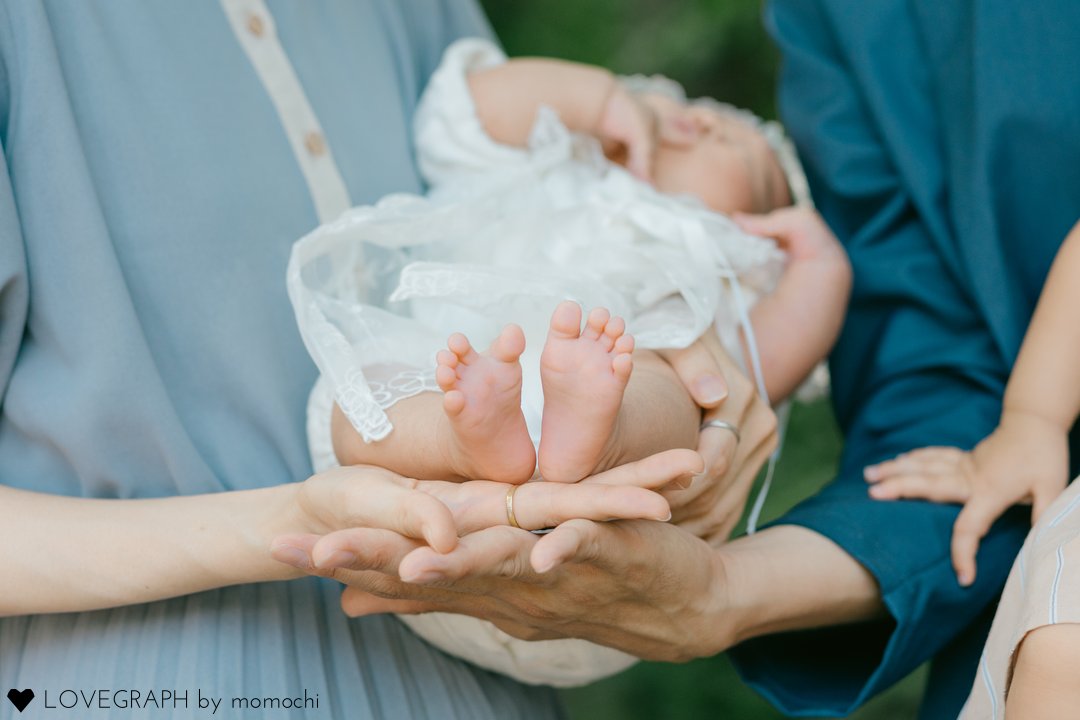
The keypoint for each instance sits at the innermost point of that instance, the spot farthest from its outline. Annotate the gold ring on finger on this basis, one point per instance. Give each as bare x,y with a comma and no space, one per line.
511,519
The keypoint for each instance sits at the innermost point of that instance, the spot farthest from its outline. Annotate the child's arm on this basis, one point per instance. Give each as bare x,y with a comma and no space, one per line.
588,100
1026,459
796,325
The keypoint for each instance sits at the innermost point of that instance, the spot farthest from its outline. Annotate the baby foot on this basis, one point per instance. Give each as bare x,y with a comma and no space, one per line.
584,374
488,438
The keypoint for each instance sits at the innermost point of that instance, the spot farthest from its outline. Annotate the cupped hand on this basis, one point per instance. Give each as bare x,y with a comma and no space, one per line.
361,504
643,587
1026,460
712,505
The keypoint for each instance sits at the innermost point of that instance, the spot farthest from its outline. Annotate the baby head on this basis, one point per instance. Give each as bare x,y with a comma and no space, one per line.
735,162
730,165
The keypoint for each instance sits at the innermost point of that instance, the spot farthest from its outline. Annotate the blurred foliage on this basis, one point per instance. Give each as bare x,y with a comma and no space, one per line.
717,48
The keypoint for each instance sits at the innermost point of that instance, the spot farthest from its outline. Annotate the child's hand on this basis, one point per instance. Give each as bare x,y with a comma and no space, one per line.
1026,460
631,126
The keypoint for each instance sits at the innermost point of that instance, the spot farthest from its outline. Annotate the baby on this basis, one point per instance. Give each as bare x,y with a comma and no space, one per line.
539,205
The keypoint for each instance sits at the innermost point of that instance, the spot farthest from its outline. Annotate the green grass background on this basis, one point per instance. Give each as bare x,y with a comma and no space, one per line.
717,48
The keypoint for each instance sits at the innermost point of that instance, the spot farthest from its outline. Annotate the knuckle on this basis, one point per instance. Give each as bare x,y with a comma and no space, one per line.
770,423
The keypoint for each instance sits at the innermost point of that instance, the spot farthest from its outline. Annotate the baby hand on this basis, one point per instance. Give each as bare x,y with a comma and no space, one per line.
1025,460
631,126
800,231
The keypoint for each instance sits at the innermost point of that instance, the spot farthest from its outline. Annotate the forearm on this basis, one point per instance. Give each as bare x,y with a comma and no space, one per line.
65,554
1045,381
797,325
787,578
508,96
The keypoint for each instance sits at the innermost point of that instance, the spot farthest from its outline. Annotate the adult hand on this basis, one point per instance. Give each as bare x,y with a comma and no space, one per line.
642,587
712,505
373,505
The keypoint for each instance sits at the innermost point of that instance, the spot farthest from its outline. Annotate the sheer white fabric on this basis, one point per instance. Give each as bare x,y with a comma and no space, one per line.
504,235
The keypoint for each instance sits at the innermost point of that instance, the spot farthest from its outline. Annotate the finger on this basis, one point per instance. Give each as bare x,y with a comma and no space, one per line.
923,462
576,541
480,504
1040,500
642,145
720,518
917,486
700,373
777,224
362,549
499,551
357,603
651,472
294,550
547,504
717,449
717,446
971,526
398,506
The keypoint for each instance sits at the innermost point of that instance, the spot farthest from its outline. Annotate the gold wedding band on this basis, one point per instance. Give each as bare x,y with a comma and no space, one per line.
723,426
510,518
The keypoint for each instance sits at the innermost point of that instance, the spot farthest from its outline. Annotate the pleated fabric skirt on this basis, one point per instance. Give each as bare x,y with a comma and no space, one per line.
281,650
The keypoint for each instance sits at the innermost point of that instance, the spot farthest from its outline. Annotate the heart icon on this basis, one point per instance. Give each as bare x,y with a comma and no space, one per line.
20,698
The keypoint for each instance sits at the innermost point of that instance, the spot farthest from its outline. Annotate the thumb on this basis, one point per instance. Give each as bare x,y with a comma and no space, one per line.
699,373
971,526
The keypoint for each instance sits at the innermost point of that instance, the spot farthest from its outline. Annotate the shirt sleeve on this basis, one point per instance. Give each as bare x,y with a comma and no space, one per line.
14,291
916,365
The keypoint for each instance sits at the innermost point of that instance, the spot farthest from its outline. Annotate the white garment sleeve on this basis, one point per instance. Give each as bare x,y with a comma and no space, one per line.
450,140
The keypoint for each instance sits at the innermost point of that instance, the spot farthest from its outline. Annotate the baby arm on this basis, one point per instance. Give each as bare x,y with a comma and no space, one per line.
588,100
796,326
1026,459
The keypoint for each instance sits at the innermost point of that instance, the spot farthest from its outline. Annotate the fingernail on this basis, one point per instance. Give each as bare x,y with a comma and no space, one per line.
544,566
289,555
339,558
710,389
665,518
965,579
870,473
878,491
424,578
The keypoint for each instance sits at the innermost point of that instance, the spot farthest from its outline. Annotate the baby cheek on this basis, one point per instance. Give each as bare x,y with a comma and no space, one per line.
727,189
715,178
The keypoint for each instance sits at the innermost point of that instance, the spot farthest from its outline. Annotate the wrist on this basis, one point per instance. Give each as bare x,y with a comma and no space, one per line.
1017,414
720,612
270,513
